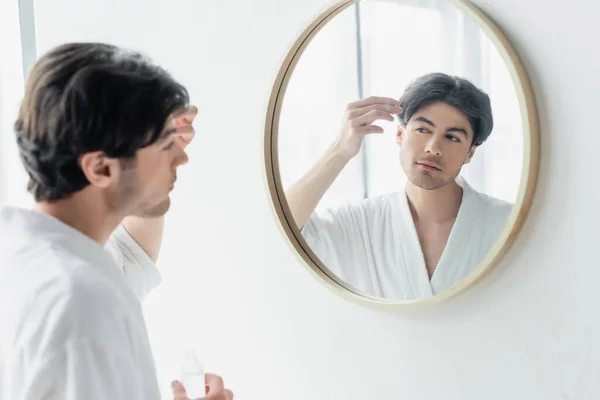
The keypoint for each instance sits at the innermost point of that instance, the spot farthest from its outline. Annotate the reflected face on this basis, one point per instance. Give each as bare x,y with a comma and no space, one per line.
145,183
434,145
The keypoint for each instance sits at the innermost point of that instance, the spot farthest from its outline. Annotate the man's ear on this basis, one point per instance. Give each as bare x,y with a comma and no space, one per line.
99,169
400,135
470,154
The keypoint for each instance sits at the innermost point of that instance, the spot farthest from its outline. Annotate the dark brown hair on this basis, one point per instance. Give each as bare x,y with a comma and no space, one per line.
454,91
84,97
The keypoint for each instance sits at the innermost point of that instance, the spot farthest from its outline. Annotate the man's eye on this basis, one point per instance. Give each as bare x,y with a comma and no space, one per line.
169,146
422,130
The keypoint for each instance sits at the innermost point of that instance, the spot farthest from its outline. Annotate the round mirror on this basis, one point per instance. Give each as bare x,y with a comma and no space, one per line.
401,148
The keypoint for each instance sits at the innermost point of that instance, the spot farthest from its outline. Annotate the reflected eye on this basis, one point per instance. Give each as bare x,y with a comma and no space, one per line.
422,130
453,138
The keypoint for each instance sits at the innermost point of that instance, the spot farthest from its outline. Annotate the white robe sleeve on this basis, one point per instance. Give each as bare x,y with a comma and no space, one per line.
358,241
328,234
80,340
140,271
87,369
340,238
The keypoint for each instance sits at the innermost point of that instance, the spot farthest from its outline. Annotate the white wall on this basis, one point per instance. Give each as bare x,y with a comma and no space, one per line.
531,330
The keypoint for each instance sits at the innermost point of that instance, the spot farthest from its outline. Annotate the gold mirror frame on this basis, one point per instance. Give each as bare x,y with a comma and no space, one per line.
527,185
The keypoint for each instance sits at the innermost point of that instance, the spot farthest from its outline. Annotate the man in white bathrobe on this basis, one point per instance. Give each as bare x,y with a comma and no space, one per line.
101,134
428,237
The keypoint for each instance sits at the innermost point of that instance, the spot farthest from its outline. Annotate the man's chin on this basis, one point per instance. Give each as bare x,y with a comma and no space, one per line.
156,211
427,182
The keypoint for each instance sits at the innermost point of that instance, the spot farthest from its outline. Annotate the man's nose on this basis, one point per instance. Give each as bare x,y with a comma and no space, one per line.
182,158
433,146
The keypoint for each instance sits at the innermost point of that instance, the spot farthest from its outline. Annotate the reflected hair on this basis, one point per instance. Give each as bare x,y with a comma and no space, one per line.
85,97
454,91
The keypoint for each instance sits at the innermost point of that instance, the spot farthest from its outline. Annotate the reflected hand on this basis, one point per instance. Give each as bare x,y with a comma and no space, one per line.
215,389
358,121
183,122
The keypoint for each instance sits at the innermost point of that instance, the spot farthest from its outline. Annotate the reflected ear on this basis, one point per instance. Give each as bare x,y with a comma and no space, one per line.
99,169
470,154
399,135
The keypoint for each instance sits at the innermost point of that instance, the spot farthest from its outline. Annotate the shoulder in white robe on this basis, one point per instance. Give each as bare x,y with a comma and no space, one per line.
71,323
373,246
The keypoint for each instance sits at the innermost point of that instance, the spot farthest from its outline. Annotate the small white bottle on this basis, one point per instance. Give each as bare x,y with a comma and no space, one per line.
192,376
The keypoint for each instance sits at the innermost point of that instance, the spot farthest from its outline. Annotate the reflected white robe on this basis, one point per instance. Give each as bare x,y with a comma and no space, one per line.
71,323
373,245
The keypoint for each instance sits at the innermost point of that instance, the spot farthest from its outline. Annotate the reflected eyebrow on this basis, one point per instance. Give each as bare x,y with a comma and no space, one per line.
453,129
460,130
423,119
166,134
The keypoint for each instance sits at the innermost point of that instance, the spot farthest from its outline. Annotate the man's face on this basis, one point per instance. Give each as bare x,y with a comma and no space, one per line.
144,186
434,145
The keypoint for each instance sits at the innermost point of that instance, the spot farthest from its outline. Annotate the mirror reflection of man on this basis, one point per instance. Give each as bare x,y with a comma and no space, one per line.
420,241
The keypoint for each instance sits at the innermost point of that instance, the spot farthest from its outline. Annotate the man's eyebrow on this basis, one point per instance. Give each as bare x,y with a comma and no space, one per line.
453,129
423,119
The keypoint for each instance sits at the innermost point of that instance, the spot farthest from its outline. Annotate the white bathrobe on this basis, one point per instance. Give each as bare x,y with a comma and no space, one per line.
71,323
373,245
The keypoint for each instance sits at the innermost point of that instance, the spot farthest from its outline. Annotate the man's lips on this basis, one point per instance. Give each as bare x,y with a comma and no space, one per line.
429,165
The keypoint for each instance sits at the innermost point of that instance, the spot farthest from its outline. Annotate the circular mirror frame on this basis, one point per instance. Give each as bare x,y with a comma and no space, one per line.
527,185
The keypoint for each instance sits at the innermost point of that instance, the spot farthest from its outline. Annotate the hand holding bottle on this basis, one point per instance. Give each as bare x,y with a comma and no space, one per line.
215,389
